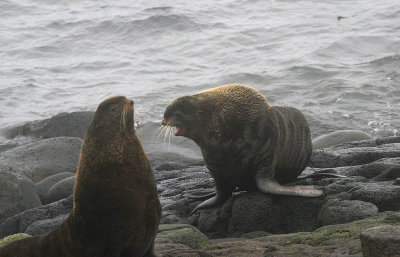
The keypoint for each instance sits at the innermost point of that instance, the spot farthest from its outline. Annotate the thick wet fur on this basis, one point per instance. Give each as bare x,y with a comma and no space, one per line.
116,207
246,143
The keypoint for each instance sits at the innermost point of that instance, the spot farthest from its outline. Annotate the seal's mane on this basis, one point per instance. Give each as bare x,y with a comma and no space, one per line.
235,101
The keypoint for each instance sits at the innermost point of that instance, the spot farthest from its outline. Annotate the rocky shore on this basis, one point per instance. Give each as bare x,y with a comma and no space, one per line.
358,215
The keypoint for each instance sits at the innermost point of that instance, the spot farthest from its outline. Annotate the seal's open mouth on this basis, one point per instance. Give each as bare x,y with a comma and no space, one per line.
179,131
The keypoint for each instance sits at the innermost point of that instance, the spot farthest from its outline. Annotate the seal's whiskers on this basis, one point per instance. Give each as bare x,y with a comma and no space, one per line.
161,131
166,132
169,137
123,125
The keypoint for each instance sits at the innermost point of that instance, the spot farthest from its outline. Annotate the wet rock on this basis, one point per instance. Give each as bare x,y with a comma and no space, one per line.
21,221
44,185
41,159
381,241
343,211
60,190
339,137
72,124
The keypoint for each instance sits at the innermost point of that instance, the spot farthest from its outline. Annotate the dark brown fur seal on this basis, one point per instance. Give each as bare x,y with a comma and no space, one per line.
246,144
116,207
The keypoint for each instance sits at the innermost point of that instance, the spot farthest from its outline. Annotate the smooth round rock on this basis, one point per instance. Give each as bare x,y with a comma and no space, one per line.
344,211
60,190
339,137
44,185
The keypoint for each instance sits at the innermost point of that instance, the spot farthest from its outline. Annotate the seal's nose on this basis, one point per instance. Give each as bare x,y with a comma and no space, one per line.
163,122
131,102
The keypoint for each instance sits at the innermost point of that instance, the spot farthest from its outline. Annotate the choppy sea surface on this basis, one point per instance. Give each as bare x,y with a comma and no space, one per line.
64,56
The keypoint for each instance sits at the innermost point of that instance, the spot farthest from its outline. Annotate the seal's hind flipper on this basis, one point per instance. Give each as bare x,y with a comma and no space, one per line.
201,197
270,186
321,175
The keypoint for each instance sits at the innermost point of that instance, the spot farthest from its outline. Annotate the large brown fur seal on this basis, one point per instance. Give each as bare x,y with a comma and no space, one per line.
246,144
116,207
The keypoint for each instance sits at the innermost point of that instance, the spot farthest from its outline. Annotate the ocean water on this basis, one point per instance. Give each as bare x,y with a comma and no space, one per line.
64,56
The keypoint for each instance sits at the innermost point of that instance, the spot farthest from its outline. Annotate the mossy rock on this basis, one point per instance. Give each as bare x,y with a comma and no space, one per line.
329,241
11,238
325,235
183,234
255,234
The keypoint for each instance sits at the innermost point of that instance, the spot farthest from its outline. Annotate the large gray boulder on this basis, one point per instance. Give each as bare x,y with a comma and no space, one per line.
44,158
72,124
256,211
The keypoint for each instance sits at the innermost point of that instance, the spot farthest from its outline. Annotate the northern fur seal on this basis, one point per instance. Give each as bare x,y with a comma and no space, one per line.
246,143
116,208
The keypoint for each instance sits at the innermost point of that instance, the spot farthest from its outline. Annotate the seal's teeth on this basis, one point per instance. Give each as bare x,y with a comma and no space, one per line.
177,131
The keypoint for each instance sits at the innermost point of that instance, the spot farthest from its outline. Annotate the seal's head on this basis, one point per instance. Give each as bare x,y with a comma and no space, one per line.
114,115
184,113
215,114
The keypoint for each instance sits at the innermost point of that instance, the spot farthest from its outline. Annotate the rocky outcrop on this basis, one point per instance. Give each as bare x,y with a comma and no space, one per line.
248,224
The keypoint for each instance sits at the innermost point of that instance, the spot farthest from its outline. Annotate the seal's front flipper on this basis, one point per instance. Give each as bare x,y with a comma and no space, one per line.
270,186
201,197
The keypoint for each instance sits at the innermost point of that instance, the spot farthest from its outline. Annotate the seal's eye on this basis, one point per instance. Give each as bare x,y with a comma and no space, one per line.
115,111
178,115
